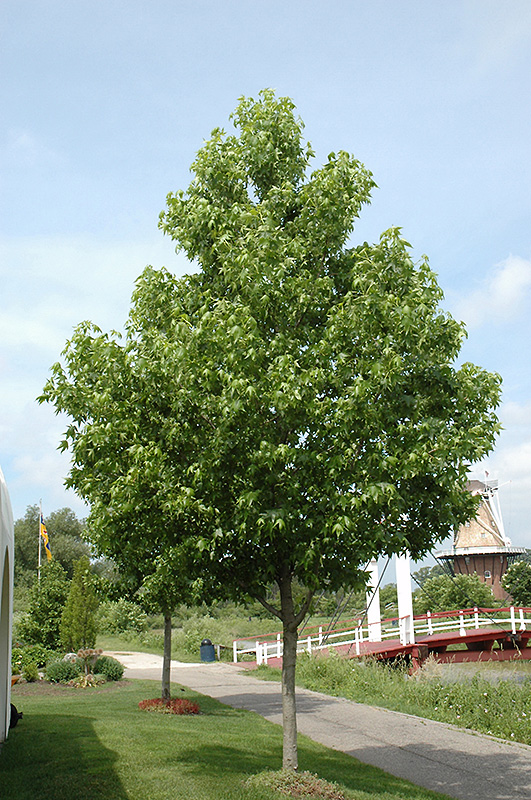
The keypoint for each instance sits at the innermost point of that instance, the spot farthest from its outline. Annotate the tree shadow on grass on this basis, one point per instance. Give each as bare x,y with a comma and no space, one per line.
58,757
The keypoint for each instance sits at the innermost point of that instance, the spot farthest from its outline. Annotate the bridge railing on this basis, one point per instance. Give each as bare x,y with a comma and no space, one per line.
264,647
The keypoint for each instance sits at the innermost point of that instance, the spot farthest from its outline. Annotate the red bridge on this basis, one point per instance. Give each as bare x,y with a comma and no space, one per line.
492,634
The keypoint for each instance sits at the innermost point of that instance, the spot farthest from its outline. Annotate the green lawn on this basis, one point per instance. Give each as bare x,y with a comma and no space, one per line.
96,743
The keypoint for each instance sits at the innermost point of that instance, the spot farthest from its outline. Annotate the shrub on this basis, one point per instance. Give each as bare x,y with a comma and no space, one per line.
110,667
62,671
444,593
31,653
31,672
121,616
86,681
179,705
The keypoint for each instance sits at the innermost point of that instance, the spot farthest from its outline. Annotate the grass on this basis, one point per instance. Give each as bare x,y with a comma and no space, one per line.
493,699
97,743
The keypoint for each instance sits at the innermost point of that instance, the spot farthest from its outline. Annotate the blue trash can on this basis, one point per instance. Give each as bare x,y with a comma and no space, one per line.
207,651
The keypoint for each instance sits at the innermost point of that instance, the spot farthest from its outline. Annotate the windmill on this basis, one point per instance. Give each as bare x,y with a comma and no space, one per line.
481,545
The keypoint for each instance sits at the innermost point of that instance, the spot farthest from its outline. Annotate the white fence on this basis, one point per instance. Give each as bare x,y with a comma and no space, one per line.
270,646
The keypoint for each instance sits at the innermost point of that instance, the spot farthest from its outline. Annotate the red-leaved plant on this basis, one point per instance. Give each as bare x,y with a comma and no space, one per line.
179,705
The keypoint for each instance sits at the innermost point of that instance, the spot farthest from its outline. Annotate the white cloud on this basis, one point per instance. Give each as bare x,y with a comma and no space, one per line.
503,295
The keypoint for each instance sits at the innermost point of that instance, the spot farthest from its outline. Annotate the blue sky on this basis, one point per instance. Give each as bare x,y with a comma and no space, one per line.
104,105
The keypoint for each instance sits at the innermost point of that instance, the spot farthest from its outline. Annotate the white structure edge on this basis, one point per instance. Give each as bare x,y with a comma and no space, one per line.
7,546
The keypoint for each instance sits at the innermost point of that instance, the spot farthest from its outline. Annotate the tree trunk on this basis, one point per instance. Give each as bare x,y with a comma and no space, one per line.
166,661
289,659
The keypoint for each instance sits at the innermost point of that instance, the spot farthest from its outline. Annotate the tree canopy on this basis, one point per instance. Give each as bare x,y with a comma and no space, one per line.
448,593
517,582
67,542
293,408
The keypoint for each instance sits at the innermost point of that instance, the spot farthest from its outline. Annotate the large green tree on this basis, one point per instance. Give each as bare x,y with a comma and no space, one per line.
67,542
309,413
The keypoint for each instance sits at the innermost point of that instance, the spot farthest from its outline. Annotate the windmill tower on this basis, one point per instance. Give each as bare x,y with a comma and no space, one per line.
481,545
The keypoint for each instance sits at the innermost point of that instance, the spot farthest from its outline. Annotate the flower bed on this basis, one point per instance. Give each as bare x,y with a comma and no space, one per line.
179,705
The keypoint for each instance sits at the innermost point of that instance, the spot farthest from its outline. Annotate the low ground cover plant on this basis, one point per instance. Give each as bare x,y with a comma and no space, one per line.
298,784
177,705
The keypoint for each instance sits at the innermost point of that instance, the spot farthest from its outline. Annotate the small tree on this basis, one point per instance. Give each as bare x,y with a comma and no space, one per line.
78,620
517,582
42,623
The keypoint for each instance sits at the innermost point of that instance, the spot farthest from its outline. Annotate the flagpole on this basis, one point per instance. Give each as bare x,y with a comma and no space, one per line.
40,537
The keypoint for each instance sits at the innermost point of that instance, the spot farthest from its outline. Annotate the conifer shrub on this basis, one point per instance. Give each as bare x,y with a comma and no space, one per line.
110,667
31,672
78,621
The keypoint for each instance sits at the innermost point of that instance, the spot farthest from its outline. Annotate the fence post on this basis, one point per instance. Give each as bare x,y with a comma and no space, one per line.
264,652
235,651
372,599
258,654
278,646
357,641
476,617
462,631
522,619
405,601
513,620
428,620
309,640
320,635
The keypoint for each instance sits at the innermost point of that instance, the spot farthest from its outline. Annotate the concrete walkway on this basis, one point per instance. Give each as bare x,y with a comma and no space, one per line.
441,757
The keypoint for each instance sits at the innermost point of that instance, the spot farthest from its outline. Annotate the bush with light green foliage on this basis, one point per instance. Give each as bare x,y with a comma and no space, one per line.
121,616
21,655
448,593
30,672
